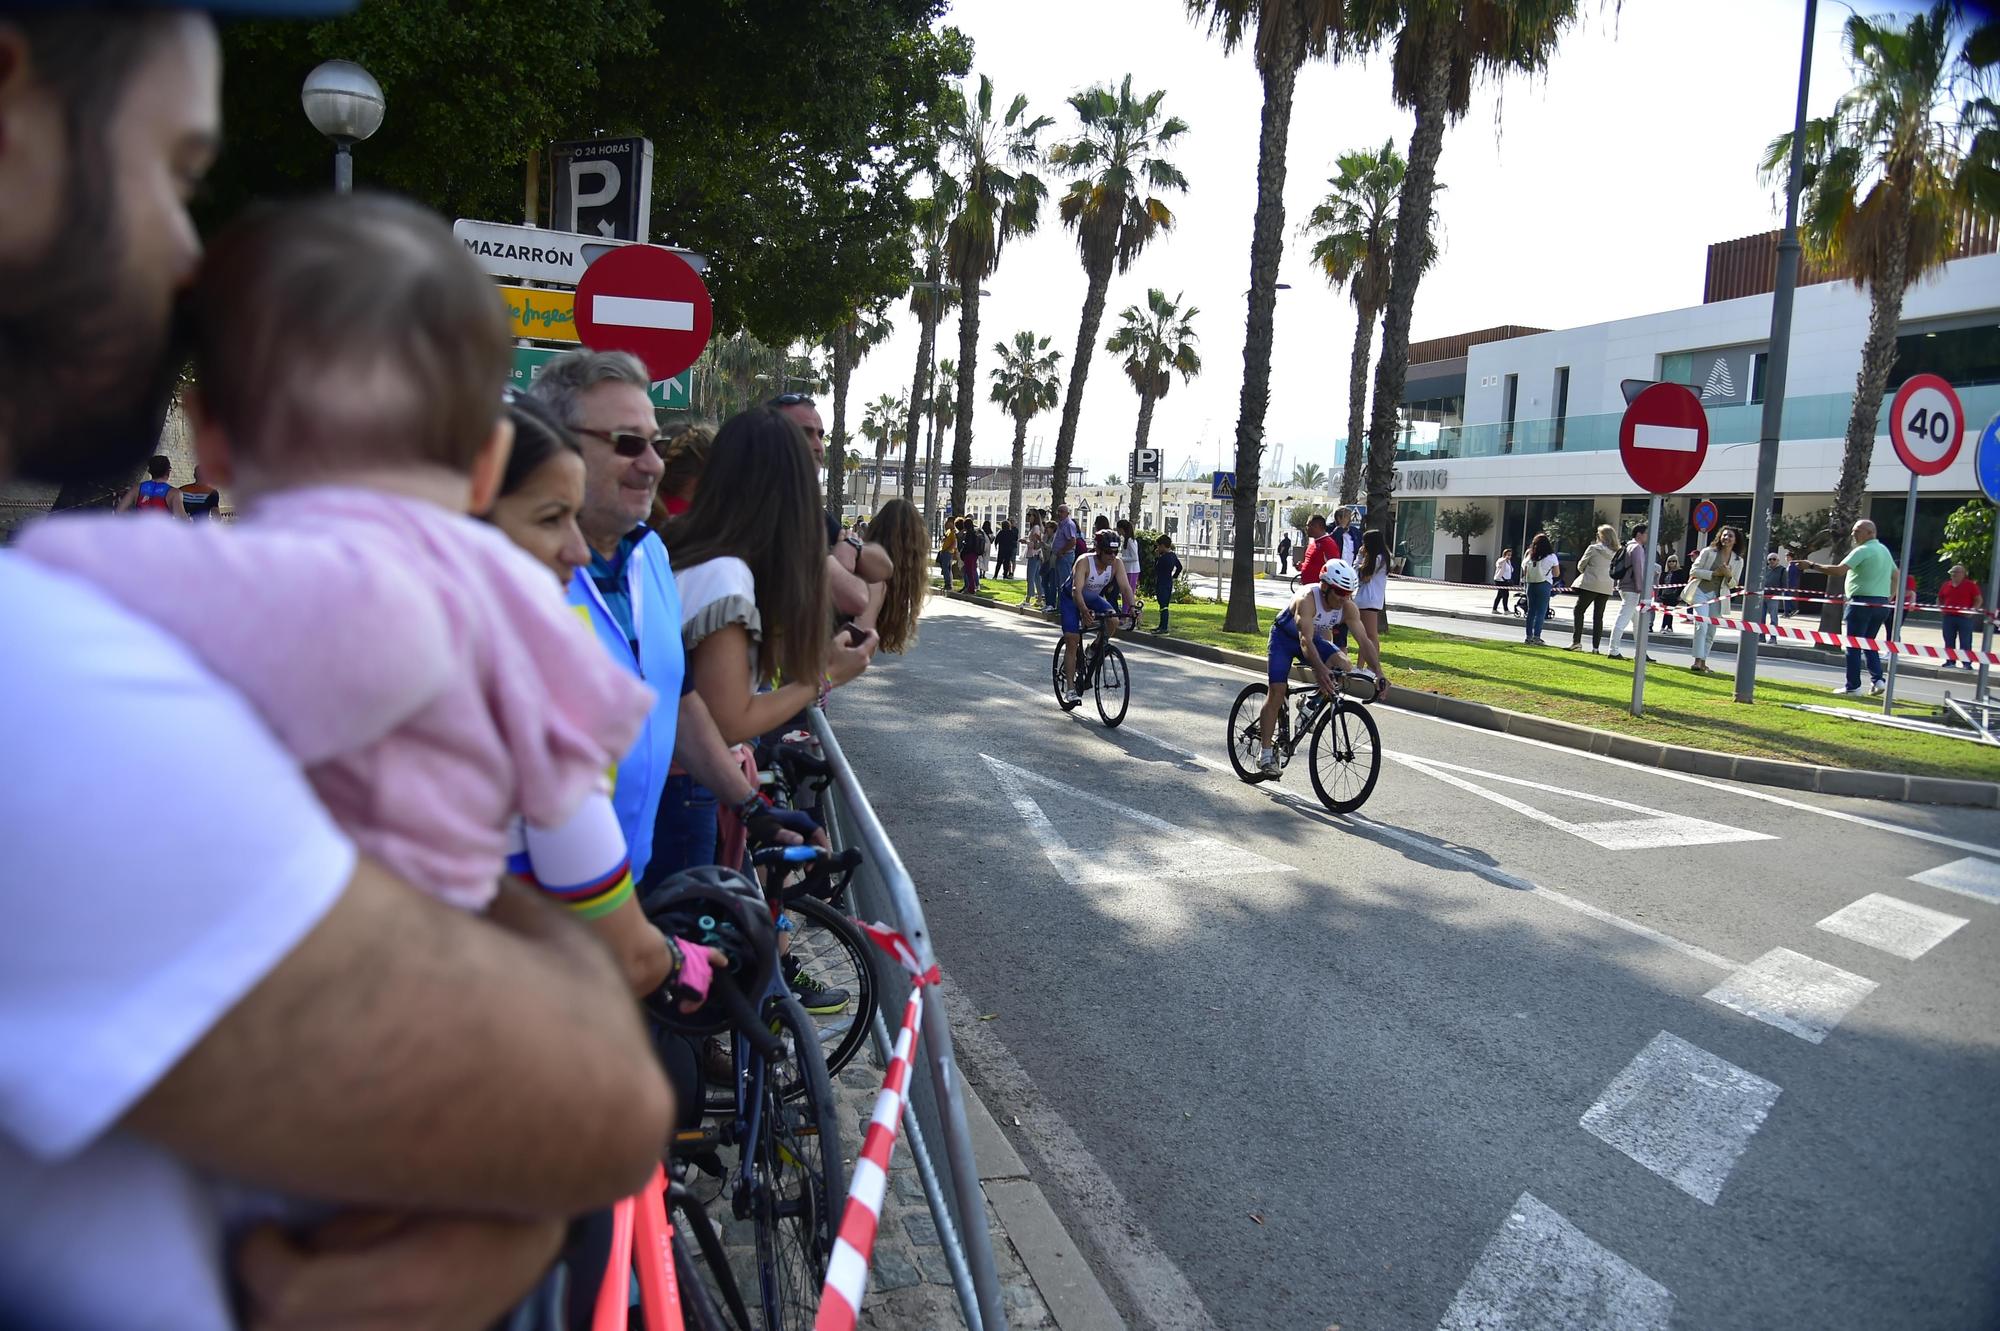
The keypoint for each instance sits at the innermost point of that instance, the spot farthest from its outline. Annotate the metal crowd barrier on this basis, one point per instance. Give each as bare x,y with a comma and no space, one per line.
934,1123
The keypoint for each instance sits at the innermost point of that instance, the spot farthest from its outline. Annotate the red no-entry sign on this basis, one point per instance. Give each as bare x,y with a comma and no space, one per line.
1663,438
647,301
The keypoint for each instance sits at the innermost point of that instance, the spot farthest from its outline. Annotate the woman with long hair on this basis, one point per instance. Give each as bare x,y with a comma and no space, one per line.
1539,570
1714,572
1372,596
1594,588
895,605
750,559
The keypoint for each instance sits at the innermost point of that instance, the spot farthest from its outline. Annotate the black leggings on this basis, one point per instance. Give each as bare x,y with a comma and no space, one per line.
1595,601
1501,591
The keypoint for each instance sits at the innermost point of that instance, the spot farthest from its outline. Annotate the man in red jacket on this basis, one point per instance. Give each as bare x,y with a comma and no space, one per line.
1960,598
1320,547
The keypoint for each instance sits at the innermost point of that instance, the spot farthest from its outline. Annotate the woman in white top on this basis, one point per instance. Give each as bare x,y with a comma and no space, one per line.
1714,571
1594,588
1503,578
1033,547
1128,555
752,579
1539,572
1371,597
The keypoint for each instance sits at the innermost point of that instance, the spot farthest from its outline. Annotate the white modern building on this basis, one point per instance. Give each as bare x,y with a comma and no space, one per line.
1524,423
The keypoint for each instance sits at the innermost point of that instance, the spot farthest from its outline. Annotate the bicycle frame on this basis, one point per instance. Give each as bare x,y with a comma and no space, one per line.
642,1246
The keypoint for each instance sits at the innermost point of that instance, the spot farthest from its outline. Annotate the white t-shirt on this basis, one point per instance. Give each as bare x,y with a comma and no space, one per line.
163,854
715,594
1374,589
1541,570
1128,555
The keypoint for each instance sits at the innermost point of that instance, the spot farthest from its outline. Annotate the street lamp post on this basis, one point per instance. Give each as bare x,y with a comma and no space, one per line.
344,102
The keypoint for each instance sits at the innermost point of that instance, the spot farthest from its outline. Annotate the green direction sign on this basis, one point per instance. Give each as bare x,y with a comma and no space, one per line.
674,393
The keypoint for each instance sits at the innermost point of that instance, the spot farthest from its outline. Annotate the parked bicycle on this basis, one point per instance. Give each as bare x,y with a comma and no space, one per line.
1345,751
1100,667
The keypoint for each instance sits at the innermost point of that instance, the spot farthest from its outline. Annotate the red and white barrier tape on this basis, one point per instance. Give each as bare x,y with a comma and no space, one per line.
1834,639
847,1272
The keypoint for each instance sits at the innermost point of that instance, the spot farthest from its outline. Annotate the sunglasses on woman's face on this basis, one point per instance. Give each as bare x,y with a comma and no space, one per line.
626,444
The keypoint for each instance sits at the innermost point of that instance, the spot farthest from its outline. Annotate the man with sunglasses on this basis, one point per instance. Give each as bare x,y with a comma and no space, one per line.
851,564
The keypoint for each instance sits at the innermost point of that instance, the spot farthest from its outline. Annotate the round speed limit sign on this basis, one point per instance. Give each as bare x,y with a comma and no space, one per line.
1926,424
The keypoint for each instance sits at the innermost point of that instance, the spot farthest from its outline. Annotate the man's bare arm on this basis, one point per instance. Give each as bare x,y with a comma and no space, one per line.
409,1055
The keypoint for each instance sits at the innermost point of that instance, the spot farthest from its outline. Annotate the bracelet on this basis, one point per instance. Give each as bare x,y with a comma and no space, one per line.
825,687
750,806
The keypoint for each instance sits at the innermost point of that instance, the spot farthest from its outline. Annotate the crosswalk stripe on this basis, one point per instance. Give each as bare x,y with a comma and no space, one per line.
1539,1272
1792,992
1683,1113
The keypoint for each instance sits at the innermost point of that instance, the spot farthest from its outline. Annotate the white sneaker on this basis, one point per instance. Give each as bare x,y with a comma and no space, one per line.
1271,766
1844,692
1875,689
1073,697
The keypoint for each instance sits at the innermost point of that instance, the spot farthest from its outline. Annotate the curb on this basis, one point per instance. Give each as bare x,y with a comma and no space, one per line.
1891,786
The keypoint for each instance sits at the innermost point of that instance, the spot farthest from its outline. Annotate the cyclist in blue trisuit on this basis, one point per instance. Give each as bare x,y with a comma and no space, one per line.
1092,580
1329,606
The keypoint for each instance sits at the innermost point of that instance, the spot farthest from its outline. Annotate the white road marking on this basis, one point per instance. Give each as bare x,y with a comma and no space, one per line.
1890,924
1683,1113
1654,829
1541,1273
1171,852
1411,841
641,312
1793,992
1970,877
1157,1290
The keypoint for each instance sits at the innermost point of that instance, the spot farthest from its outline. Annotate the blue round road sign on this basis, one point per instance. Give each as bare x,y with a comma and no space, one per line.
1986,461
1705,515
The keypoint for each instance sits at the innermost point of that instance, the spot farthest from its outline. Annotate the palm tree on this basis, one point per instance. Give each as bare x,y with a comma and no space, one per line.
882,425
943,400
1157,343
930,297
1355,223
1117,152
853,338
1440,47
1026,382
1890,177
1308,476
998,198
1281,34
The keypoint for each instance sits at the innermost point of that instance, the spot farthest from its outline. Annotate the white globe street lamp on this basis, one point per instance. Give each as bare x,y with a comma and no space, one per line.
344,102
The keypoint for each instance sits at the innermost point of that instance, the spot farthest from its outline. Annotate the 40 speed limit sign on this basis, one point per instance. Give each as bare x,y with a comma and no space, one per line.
1926,424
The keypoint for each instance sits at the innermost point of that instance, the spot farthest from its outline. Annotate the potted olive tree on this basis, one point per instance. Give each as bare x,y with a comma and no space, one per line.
1465,523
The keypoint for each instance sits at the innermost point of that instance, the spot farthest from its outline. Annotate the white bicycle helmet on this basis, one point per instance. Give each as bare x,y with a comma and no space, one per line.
1340,574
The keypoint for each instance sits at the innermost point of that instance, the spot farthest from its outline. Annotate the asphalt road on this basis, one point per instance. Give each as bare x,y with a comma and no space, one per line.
1539,1040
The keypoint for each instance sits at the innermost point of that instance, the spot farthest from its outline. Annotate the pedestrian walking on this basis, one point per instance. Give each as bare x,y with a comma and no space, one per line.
948,553
1539,572
1594,587
1871,572
1628,571
1715,572
1009,541
1503,581
1285,553
1037,536
1371,597
1669,581
1959,596
1166,568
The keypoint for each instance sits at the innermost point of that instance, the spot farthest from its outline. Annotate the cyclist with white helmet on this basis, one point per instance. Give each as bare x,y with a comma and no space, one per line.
1094,582
1329,607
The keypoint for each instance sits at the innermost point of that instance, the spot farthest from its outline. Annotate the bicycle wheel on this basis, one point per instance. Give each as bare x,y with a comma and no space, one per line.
1245,750
838,955
1114,687
1056,676
801,1182
1346,756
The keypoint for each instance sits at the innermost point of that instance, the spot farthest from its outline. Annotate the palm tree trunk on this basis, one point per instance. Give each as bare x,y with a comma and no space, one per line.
926,345
1086,342
1413,223
1020,461
836,447
1138,442
881,452
1267,242
1357,404
968,374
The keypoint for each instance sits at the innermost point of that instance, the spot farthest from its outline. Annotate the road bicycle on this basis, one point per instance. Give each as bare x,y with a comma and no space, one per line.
1345,751
1100,667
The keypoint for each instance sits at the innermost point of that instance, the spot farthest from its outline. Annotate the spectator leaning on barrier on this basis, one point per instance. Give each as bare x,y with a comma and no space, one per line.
1959,596
1871,576
279,971
1628,571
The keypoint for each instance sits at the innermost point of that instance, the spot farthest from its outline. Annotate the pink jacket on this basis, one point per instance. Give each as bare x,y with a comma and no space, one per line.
424,671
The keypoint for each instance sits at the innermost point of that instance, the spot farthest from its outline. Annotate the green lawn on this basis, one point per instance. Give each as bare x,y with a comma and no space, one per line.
1699,711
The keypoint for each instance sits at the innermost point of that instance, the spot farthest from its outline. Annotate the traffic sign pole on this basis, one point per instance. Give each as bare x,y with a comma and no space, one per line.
1902,573
1926,426
1992,607
1986,471
1645,608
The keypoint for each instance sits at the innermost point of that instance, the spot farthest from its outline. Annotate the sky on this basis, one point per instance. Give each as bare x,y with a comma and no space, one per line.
1586,195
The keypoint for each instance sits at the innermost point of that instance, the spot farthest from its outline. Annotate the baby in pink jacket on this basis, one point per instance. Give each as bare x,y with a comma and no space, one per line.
426,673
